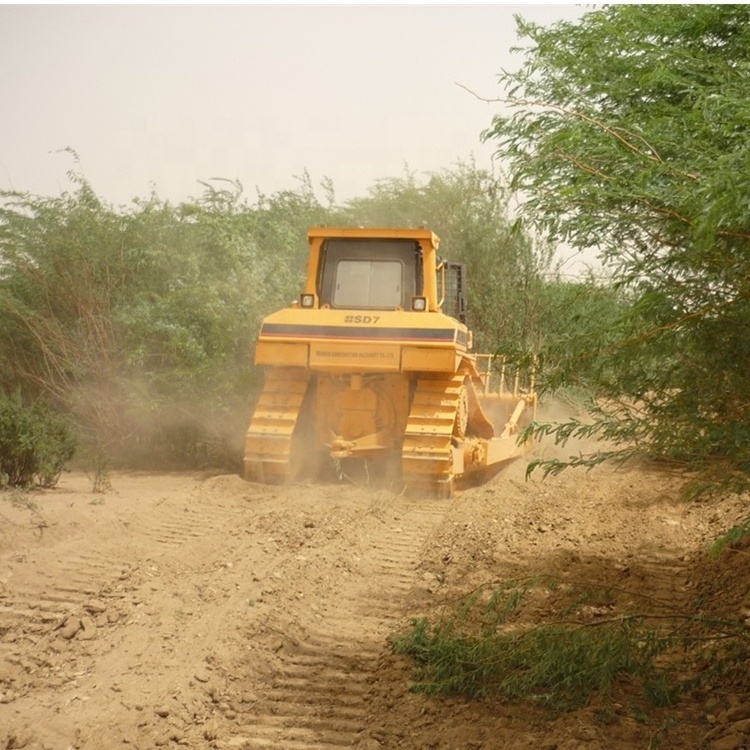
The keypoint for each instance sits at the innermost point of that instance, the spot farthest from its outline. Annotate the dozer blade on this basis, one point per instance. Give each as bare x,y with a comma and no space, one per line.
268,446
427,456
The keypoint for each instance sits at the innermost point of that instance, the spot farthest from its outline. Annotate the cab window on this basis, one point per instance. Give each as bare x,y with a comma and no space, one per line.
368,283
369,274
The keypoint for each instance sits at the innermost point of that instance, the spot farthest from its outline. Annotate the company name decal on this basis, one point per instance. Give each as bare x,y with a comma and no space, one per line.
361,319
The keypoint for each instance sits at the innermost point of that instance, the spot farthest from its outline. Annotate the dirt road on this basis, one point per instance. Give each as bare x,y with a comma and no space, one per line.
206,612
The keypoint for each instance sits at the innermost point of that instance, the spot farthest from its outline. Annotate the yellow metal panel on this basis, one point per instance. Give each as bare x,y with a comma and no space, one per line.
417,359
341,356
295,324
375,232
281,355
502,449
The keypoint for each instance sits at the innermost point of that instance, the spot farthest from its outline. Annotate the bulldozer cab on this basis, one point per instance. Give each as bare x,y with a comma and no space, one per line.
373,272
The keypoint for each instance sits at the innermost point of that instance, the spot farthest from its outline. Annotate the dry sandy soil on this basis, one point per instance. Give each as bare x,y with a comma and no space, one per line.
206,612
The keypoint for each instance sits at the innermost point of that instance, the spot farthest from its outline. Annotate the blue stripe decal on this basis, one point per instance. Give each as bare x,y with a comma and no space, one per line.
354,333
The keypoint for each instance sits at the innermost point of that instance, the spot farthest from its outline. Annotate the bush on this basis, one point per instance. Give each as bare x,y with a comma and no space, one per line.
489,645
34,444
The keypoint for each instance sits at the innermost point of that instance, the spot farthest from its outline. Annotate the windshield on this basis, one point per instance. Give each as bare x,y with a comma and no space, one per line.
368,283
372,274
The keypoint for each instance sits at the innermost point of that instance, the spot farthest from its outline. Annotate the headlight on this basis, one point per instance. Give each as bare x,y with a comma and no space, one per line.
419,304
307,300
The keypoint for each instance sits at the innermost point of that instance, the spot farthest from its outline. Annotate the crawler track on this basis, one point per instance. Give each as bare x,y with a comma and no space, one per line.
268,446
427,452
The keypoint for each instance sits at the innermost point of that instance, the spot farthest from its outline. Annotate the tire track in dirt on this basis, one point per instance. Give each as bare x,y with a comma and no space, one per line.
317,697
196,521
659,581
103,575
35,600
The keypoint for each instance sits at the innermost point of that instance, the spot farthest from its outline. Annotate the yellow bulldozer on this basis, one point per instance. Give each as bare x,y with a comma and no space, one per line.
374,361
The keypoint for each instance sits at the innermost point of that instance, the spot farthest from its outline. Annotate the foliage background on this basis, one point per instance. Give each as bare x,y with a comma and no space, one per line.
138,323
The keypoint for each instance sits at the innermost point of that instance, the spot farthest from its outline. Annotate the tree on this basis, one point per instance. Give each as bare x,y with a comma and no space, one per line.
628,131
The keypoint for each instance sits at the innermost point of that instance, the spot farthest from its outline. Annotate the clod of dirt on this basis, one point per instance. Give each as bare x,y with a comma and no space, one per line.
211,732
15,742
70,627
88,629
730,742
735,713
95,607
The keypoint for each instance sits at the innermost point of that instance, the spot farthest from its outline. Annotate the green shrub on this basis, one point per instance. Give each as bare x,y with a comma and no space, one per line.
480,648
34,443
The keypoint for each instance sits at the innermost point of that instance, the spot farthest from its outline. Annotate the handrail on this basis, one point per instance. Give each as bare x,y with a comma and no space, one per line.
441,270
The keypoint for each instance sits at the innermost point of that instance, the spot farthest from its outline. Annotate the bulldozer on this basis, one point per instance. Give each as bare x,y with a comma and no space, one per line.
374,361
